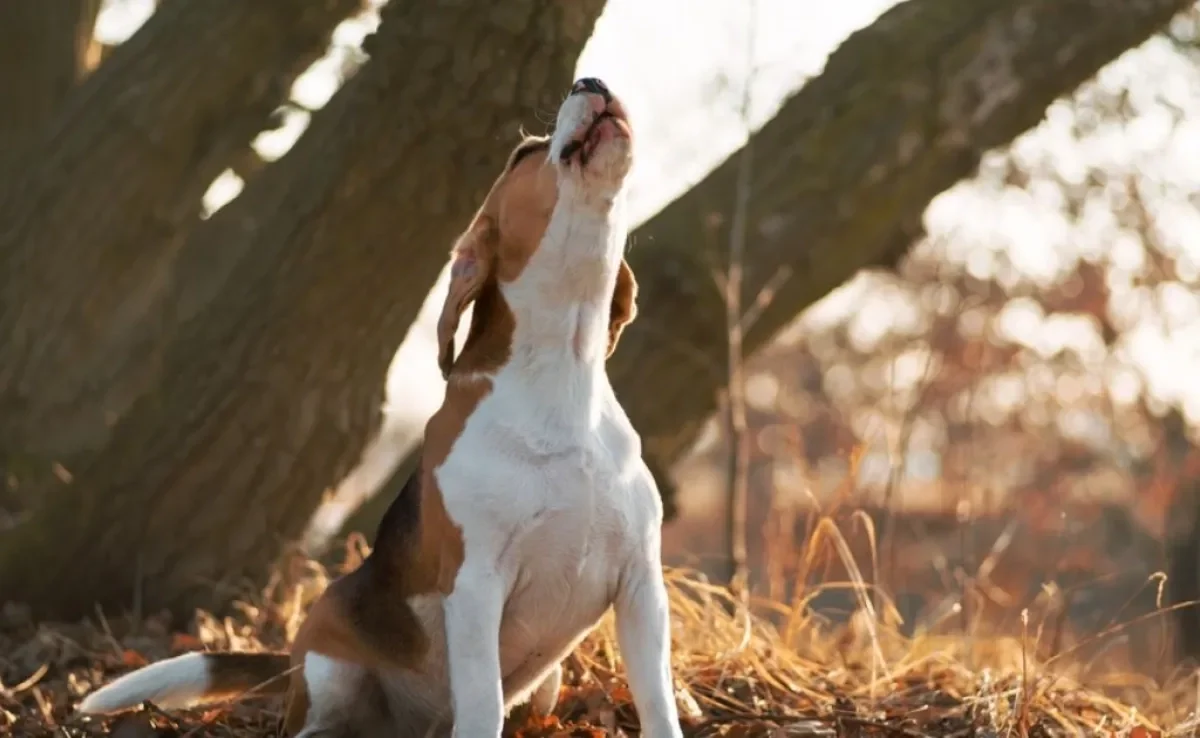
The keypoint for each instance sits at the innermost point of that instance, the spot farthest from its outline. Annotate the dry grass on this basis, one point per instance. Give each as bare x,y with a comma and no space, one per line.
774,670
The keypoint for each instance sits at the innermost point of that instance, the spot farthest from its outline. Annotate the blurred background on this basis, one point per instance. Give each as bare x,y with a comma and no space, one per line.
918,291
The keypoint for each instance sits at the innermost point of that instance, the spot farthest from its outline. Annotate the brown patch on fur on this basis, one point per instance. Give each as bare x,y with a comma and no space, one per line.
624,305
495,248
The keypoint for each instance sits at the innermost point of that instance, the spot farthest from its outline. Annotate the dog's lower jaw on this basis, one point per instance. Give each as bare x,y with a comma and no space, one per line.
598,192
609,167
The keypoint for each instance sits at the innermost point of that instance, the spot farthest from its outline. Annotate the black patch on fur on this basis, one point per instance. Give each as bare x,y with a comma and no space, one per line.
401,522
372,592
381,614
258,673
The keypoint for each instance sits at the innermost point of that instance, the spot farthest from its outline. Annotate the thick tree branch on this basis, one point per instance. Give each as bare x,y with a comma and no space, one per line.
94,207
271,387
44,53
903,110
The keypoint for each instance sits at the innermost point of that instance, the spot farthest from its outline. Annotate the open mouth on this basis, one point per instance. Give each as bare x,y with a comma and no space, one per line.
583,147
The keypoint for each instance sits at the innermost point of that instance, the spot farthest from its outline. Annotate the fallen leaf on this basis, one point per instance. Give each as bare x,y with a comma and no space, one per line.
132,658
186,642
211,716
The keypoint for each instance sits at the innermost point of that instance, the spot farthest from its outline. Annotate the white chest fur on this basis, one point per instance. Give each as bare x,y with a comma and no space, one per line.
544,481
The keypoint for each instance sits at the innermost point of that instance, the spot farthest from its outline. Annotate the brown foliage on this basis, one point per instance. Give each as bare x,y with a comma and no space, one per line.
781,672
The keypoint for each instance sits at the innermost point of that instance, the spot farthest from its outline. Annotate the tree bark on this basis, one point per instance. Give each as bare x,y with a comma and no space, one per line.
94,206
1183,569
44,53
270,389
903,110
1181,534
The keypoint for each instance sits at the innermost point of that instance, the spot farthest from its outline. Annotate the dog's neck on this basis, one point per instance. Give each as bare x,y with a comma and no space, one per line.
550,324
562,299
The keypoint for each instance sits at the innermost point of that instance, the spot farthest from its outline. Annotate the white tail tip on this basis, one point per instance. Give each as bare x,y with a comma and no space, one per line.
175,683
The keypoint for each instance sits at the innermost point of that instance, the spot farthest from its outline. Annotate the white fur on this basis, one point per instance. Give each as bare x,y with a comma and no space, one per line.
335,689
178,682
545,696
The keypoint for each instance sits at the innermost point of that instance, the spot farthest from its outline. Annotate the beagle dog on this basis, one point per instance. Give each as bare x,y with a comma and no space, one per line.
532,511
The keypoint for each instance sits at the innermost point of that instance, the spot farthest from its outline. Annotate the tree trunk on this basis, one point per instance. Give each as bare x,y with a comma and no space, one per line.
94,206
271,389
903,110
1181,533
44,53
1183,569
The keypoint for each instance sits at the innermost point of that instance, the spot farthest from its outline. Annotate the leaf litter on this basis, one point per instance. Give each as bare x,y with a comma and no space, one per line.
758,669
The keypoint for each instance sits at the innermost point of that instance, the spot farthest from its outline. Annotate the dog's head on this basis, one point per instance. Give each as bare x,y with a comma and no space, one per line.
547,242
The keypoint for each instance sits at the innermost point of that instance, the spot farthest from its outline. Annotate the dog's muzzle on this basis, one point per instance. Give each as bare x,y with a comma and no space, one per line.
604,119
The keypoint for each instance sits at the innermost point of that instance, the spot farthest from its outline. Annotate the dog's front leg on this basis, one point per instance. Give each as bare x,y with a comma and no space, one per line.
644,637
473,611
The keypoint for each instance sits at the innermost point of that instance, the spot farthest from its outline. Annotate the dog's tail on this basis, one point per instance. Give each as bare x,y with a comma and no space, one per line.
191,679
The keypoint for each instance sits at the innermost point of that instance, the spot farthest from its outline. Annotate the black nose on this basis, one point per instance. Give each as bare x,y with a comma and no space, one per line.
594,86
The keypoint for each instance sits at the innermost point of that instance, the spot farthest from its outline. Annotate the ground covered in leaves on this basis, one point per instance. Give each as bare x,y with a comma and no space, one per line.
769,670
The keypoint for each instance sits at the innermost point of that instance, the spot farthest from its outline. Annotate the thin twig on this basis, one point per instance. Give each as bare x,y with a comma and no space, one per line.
737,471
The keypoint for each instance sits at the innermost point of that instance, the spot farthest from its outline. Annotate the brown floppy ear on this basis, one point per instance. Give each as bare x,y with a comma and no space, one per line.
624,305
469,271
